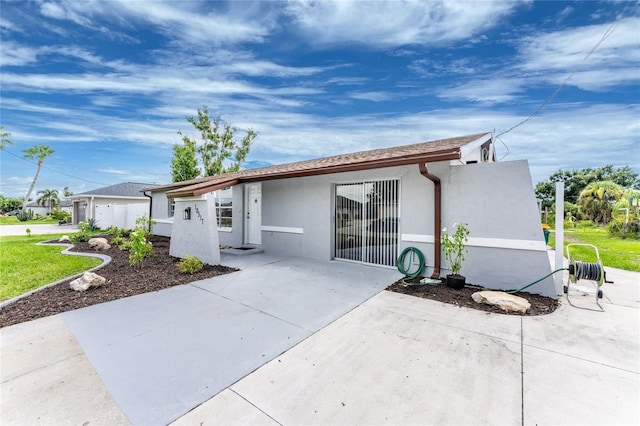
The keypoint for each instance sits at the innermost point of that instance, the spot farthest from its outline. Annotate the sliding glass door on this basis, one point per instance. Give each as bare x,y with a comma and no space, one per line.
366,222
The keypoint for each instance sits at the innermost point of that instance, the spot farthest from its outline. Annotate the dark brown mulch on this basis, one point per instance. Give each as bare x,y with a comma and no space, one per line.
159,271
540,305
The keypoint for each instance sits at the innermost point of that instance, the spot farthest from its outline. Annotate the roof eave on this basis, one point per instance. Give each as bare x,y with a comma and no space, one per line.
203,188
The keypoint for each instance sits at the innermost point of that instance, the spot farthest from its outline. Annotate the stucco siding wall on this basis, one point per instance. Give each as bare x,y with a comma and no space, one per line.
506,243
303,209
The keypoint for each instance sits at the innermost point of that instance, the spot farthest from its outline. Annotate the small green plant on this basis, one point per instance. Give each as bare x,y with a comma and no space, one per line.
117,240
25,215
125,245
454,246
92,223
190,265
28,231
114,231
143,224
140,247
84,233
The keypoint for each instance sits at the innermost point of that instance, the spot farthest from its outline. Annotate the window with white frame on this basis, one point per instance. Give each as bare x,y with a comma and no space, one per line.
171,207
224,207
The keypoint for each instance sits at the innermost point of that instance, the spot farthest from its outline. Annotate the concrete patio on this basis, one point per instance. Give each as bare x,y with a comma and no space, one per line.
298,342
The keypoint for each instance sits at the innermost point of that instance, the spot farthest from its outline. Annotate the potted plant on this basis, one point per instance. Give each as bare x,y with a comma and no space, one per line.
454,249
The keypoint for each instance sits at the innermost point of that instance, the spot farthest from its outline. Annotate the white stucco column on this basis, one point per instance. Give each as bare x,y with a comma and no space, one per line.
559,234
195,233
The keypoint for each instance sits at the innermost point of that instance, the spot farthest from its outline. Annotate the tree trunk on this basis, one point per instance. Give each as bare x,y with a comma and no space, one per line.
33,184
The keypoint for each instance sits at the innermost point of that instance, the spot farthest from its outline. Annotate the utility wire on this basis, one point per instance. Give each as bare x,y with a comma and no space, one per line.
605,36
51,169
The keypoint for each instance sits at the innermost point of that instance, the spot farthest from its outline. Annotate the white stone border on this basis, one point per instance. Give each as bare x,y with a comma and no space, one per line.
105,261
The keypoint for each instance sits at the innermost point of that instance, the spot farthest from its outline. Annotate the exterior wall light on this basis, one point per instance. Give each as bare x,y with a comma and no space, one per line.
186,214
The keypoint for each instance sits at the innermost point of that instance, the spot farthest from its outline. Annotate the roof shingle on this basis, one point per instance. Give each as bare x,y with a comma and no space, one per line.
125,189
425,152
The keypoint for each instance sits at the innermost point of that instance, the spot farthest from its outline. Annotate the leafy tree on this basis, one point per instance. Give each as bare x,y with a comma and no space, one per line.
40,152
50,197
4,138
597,199
7,204
219,146
184,164
577,180
66,192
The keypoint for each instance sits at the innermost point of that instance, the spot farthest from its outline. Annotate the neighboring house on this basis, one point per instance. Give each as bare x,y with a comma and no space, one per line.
43,210
367,207
116,205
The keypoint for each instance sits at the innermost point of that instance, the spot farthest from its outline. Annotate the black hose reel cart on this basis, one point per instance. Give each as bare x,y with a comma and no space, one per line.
579,270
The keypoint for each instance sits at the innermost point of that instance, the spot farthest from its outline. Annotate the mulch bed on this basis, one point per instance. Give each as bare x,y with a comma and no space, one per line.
159,271
540,305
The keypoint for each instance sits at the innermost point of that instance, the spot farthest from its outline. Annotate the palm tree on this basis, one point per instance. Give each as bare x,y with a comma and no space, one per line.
48,196
4,138
40,152
597,199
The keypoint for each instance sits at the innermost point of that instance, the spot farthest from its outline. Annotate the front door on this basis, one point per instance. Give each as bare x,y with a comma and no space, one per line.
253,213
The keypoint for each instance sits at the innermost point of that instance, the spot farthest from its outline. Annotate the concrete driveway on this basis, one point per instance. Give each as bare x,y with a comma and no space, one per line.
161,354
281,343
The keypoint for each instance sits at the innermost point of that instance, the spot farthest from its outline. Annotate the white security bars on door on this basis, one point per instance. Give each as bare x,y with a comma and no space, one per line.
366,222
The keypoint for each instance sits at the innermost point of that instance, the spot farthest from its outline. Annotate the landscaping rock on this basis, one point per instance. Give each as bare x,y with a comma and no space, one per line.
64,239
87,280
99,243
506,302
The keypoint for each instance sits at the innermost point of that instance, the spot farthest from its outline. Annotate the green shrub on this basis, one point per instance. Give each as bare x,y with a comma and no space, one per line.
140,248
83,235
61,215
93,224
190,265
25,215
619,228
79,237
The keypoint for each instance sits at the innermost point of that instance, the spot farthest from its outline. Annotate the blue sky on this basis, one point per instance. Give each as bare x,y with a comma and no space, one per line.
107,84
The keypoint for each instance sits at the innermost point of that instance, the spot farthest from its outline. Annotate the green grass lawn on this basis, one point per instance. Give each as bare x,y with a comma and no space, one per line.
614,252
12,220
25,266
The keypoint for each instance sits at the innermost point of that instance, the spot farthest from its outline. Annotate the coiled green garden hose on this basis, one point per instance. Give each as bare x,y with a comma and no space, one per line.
421,262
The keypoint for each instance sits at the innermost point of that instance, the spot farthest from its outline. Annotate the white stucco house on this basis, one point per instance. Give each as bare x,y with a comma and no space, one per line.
366,207
44,209
115,205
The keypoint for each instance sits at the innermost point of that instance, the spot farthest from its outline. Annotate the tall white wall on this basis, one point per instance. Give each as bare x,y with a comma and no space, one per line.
120,215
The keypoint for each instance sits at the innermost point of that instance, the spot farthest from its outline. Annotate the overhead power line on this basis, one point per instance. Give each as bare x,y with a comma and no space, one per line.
52,169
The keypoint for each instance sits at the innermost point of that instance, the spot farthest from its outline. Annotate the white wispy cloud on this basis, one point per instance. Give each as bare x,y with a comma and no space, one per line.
386,24
566,50
374,96
546,60
486,91
14,54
